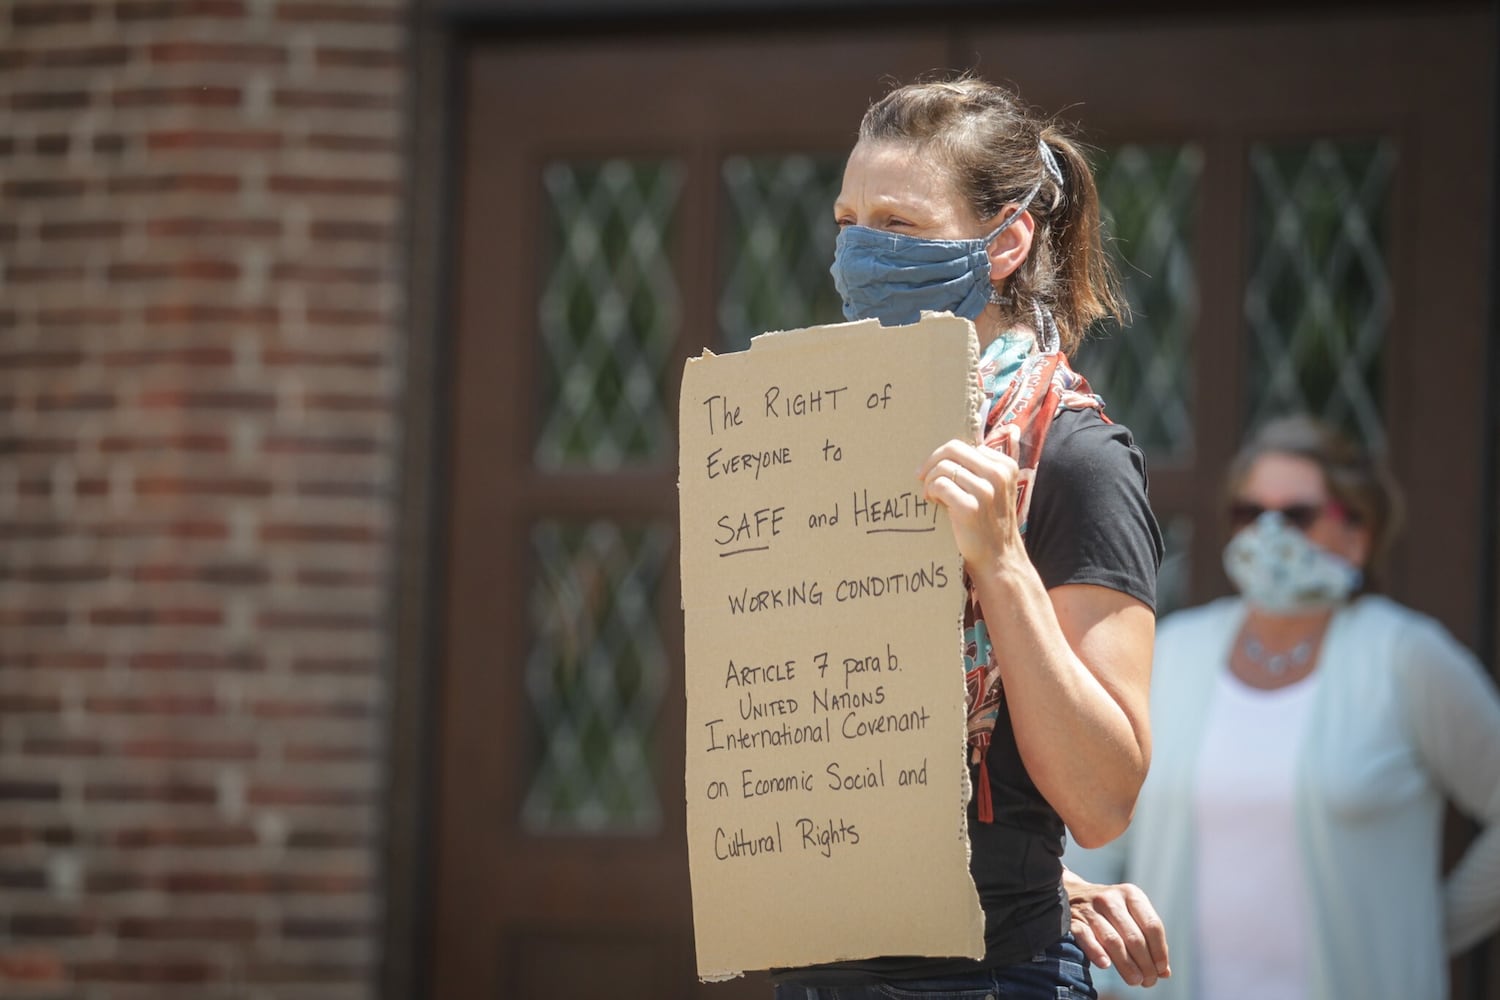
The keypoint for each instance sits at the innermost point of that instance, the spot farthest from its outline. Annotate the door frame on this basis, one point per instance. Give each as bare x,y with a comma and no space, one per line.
439,32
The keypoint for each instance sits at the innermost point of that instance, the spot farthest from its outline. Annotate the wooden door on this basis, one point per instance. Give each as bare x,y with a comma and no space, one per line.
597,192
622,203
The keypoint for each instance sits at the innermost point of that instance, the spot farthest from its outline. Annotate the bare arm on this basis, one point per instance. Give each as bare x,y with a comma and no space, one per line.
1076,662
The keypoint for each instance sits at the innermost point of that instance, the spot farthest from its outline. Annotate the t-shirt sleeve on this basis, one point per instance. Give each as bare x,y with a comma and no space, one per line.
1090,520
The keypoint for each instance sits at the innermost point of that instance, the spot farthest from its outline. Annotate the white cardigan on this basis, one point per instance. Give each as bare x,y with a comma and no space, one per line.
1403,716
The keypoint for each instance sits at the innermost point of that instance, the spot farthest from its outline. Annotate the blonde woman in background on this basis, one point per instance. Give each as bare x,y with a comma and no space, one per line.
1307,736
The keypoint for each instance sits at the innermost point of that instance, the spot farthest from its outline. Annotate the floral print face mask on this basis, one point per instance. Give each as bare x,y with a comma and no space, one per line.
1279,570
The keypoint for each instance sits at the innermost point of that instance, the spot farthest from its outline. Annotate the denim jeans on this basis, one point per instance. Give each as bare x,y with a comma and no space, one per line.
1059,972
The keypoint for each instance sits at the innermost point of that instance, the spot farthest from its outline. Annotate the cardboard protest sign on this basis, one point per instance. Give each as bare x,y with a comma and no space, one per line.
823,597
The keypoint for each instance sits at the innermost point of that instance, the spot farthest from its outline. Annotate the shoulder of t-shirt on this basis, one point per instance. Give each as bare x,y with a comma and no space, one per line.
1083,439
1090,519
1088,462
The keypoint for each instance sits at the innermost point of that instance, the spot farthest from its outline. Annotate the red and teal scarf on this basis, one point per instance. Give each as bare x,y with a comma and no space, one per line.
1030,397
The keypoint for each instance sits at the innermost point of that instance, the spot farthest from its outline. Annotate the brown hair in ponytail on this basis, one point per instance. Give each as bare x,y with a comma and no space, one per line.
992,144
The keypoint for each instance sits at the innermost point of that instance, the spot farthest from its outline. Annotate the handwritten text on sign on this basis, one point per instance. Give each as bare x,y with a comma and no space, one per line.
823,598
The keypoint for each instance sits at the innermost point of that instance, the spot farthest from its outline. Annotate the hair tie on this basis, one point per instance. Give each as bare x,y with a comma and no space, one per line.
1049,162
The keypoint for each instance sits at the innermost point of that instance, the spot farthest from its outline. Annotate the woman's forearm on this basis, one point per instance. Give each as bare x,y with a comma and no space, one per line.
1471,893
1076,666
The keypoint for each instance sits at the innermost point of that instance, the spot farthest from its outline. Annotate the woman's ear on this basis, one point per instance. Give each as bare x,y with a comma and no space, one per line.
1008,250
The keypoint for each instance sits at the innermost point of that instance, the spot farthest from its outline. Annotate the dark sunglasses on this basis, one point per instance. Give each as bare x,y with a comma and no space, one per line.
1299,515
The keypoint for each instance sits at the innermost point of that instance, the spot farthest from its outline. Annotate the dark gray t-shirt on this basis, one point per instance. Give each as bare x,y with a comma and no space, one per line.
1090,523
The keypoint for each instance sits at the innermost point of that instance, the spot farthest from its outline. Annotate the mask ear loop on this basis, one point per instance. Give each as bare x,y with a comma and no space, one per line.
1050,169
1045,325
1010,219
995,297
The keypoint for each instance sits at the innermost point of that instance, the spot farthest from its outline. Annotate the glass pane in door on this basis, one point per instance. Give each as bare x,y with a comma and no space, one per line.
594,676
1318,292
609,312
1149,195
777,245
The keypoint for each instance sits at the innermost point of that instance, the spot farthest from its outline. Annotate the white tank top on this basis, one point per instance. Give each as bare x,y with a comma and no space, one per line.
1253,924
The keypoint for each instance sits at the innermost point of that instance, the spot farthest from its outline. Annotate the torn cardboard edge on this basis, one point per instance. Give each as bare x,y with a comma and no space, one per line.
795,357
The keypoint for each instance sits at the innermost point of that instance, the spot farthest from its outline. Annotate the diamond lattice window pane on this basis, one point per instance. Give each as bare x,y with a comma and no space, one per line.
1149,197
609,312
1318,295
777,245
594,676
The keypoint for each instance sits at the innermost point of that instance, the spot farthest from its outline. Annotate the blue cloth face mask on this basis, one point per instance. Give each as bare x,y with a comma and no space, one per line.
893,277
1277,569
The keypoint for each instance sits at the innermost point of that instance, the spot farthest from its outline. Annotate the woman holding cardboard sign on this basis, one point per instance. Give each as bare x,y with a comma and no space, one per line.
957,198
